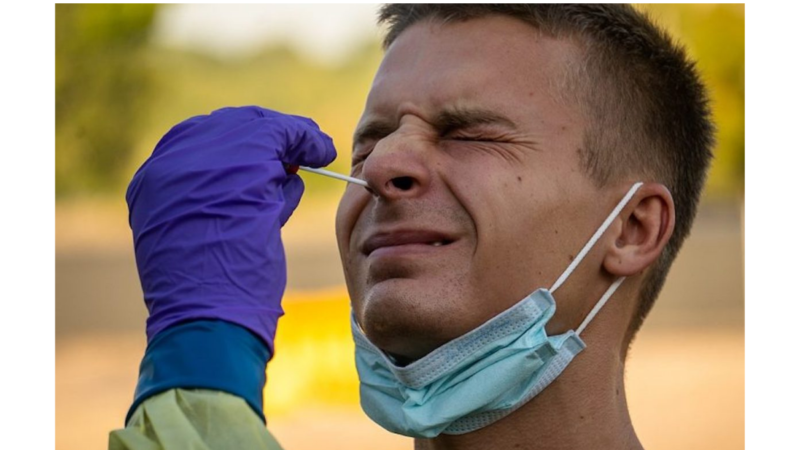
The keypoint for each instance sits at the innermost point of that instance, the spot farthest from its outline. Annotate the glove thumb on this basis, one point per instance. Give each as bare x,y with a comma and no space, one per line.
293,188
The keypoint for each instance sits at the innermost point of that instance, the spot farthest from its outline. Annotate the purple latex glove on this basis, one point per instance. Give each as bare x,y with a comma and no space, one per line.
206,210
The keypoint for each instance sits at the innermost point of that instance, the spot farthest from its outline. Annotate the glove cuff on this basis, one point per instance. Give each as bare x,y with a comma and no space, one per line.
204,354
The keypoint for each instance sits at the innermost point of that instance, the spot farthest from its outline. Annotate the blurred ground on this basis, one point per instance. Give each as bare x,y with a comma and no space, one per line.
685,389
685,375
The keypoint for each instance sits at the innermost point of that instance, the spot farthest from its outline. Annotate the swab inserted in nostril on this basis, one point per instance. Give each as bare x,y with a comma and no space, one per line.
328,173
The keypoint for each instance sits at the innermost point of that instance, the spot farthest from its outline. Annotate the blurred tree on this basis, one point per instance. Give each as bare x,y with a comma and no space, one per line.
101,86
714,36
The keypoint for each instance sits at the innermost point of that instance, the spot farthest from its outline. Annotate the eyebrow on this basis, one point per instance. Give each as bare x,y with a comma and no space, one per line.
373,130
456,118
448,120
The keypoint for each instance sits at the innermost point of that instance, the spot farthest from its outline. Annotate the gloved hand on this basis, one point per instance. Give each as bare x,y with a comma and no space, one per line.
206,210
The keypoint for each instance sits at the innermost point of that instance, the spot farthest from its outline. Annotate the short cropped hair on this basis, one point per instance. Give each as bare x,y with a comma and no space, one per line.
647,110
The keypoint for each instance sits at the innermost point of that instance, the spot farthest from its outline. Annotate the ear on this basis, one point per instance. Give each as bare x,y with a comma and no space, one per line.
647,224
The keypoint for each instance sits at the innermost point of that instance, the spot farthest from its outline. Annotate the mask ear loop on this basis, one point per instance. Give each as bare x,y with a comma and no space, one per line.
595,237
585,250
600,303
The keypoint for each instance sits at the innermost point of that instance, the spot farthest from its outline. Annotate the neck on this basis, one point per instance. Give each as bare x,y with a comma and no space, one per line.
584,408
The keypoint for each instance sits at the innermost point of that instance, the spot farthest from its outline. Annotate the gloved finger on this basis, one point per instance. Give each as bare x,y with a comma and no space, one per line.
307,120
293,188
178,130
304,144
298,139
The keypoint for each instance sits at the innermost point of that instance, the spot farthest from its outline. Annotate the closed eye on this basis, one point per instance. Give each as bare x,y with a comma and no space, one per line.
473,138
359,157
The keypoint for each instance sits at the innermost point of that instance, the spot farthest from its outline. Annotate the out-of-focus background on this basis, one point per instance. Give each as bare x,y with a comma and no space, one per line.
126,73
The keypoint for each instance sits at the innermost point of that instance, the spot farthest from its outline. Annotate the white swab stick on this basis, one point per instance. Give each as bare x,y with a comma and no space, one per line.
338,176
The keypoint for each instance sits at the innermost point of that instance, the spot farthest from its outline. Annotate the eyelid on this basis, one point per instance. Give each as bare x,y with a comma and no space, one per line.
473,129
476,132
460,136
476,136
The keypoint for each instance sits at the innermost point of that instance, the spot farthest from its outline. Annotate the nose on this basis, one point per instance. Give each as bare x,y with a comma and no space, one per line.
398,168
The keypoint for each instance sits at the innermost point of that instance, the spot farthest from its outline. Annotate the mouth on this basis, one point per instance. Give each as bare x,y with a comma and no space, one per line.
405,241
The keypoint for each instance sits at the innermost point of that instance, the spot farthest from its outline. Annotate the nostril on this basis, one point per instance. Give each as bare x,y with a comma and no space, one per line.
403,183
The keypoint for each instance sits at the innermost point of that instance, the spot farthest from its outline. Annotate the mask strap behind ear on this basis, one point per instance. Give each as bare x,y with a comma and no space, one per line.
594,239
600,303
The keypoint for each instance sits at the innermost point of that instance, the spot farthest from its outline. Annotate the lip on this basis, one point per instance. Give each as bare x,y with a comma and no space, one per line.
405,239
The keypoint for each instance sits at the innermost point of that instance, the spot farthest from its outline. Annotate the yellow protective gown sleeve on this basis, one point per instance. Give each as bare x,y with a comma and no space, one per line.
195,419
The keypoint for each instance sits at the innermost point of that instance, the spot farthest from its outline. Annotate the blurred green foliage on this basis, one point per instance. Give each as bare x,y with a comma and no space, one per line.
101,87
116,95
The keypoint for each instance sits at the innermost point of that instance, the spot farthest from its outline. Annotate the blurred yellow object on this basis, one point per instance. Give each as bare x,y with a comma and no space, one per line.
313,361
197,419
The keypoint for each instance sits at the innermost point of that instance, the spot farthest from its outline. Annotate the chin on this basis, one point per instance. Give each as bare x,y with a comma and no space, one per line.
405,321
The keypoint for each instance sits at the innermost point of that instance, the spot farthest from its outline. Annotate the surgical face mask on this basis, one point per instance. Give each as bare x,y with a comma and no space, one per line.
482,376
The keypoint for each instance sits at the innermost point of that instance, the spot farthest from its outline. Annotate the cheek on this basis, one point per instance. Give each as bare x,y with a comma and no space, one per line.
350,207
512,235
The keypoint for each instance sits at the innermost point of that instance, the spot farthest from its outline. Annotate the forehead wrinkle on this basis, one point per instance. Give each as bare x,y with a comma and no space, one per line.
420,87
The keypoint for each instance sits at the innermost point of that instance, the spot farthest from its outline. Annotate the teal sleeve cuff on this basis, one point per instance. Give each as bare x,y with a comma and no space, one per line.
204,354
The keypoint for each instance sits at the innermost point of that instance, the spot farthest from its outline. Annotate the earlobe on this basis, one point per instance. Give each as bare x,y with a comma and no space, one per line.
644,228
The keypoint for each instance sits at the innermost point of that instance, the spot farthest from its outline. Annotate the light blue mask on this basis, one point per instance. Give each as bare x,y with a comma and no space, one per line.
480,377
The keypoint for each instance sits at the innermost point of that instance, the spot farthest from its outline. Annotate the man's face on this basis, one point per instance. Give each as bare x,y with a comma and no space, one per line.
478,197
